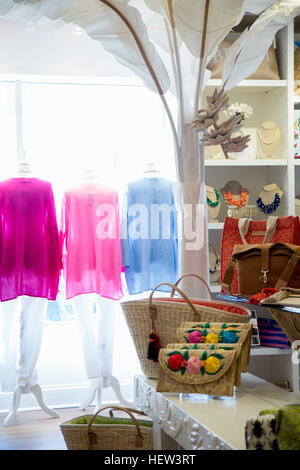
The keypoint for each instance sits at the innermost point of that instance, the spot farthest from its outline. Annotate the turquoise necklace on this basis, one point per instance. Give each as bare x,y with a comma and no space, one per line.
211,203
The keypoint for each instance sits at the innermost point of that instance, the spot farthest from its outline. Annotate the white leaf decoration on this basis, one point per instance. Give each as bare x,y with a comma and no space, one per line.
189,22
257,6
103,24
247,53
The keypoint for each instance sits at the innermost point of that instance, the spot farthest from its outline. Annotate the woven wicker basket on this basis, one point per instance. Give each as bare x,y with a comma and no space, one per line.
166,314
92,432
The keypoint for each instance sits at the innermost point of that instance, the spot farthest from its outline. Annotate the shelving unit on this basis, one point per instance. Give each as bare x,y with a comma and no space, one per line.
271,100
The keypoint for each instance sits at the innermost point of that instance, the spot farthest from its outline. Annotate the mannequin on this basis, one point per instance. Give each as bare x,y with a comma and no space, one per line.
269,137
213,204
151,170
235,190
31,312
269,198
97,347
297,206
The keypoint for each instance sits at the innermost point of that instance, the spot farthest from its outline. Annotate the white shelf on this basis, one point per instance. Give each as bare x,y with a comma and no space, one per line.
262,351
257,162
252,86
297,161
215,225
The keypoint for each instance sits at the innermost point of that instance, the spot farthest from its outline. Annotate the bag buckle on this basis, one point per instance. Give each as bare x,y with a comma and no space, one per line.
264,278
294,258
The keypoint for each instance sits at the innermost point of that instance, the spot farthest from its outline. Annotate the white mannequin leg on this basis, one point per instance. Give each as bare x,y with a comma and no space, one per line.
8,344
106,334
83,307
32,319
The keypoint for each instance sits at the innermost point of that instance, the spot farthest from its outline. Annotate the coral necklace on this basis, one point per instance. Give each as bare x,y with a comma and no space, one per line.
237,203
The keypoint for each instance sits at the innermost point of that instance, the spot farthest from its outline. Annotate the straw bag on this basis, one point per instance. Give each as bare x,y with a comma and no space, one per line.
92,432
215,347
162,316
216,335
272,265
196,371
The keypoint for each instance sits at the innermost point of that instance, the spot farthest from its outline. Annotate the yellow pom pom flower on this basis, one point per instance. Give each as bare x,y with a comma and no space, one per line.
212,364
212,338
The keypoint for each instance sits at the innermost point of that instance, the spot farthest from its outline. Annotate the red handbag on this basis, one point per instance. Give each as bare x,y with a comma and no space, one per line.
246,231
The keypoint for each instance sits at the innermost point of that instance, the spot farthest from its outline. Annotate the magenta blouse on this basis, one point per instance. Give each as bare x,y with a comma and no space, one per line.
29,242
90,233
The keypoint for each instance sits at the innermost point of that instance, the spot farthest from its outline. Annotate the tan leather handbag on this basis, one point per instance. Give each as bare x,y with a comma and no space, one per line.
265,265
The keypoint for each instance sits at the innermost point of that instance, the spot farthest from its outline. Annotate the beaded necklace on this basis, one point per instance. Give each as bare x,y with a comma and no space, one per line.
268,208
211,203
237,203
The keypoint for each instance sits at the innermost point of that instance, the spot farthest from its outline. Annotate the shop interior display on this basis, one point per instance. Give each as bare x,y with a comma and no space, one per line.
213,203
236,198
269,198
222,140
269,136
214,264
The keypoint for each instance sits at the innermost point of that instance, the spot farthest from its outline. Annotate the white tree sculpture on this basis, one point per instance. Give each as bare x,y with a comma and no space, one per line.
168,43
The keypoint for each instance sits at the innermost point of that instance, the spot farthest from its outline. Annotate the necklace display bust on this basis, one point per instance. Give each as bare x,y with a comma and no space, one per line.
213,204
233,191
269,198
269,137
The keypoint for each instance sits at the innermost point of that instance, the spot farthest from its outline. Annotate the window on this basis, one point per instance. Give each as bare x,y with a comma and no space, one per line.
66,128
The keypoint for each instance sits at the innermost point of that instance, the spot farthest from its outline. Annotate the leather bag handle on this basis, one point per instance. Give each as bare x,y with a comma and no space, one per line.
192,275
288,271
228,276
153,309
139,436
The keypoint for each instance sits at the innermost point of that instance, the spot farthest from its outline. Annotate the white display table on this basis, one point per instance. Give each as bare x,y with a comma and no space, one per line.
201,422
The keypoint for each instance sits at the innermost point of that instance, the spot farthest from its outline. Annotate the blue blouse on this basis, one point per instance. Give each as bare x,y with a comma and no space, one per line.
149,235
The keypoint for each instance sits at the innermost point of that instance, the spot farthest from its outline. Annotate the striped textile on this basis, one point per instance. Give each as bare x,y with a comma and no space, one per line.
271,335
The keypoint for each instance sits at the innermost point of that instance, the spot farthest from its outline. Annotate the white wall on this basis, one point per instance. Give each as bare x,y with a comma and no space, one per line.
53,51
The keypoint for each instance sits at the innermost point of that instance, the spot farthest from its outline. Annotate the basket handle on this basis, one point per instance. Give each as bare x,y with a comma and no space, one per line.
139,437
137,412
152,308
194,275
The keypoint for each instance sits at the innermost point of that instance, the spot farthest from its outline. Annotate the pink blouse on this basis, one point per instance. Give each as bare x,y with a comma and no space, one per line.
29,243
90,235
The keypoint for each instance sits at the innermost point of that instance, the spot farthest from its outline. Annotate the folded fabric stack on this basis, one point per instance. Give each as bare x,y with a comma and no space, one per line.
208,358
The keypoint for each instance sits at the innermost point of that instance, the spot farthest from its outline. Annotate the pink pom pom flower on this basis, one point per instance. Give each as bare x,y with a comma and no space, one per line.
195,337
193,365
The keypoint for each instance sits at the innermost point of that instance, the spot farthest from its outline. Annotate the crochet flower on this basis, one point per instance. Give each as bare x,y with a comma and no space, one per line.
193,365
175,361
212,364
212,338
195,337
230,337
